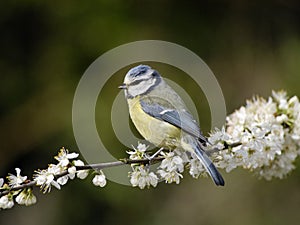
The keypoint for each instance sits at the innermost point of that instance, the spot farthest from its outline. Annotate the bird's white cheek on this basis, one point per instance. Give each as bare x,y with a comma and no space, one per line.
141,88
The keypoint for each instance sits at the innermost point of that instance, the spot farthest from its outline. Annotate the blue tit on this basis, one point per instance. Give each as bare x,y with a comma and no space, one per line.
161,117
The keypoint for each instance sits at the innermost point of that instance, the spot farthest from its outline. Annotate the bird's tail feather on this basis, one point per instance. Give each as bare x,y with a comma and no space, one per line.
209,166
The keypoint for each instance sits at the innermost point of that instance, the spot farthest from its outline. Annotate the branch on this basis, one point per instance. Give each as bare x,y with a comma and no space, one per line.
98,166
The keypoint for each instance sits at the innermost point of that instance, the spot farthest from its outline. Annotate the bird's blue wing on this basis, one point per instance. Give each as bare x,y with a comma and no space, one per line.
177,117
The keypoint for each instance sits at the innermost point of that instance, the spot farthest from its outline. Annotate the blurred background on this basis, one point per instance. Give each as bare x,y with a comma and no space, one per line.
251,46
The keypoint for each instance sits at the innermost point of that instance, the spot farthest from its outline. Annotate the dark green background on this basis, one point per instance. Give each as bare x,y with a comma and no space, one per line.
45,46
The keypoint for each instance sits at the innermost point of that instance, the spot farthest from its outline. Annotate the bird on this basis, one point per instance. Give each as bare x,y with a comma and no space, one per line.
161,117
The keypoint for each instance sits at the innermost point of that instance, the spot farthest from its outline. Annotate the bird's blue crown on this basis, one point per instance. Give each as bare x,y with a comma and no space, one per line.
138,70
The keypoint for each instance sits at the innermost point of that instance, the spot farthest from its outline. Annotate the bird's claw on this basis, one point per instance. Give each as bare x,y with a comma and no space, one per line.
151,158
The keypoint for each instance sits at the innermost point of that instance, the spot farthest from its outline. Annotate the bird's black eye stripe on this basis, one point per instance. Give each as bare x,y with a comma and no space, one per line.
138,81
139,72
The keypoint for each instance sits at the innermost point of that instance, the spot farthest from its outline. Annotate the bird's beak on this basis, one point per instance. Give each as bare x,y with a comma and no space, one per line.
123,86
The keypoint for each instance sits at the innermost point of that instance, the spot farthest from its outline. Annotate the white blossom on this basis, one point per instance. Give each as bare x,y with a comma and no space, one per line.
142,147
283,118
64,156
81,174
26,197
6,202
171,162
170,176
72,172
219,137
281,98
63,180
142,177
171,167
71,175
16,180
196,167
1,182
46,178
139,152
99,180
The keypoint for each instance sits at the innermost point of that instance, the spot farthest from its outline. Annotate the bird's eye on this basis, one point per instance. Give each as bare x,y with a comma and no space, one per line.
154,74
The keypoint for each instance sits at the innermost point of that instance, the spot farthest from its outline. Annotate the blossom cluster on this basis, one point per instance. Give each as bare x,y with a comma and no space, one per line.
265,135
19,189
141,175
51,176
170,169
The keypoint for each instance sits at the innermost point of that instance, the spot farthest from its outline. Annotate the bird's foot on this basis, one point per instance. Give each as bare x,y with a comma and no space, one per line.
152,157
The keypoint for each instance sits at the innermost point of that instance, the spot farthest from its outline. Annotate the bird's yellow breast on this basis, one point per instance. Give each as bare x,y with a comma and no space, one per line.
156,131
